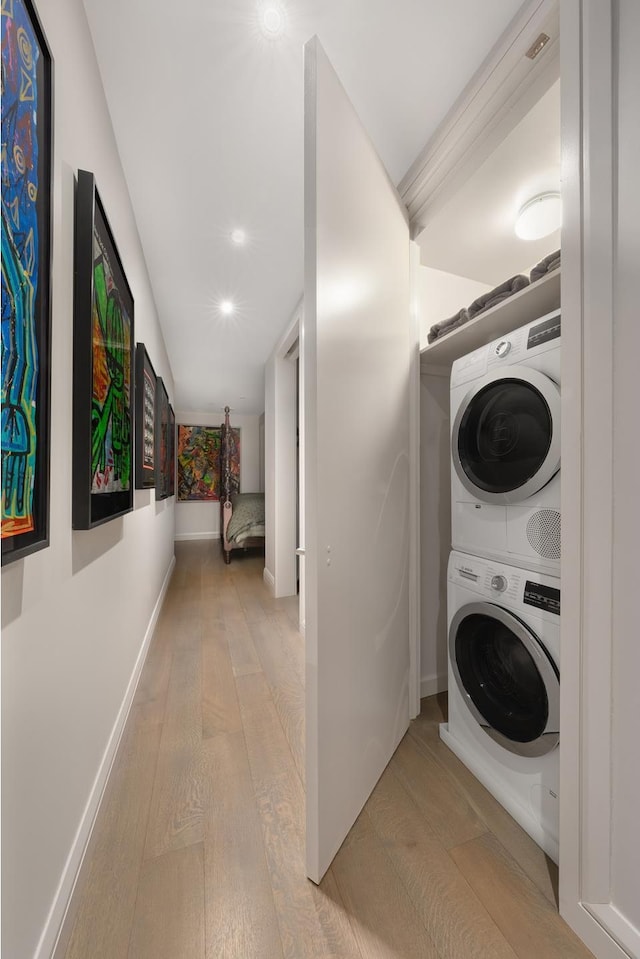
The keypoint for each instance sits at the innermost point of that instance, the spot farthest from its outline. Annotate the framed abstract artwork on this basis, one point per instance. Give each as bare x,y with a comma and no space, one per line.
145,379
199,462
102,368
172,452
27,104
162,441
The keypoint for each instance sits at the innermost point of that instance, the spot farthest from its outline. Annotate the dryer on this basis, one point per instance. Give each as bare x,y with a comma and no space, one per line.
505,448
504,687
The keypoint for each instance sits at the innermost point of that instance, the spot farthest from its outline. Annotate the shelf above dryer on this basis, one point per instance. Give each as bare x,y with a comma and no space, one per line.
535,300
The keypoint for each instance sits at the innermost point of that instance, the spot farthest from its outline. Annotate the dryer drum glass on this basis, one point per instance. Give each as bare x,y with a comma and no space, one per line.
505,435
502,679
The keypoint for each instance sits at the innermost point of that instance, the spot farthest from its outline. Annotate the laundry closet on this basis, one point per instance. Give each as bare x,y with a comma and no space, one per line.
503,520
378,462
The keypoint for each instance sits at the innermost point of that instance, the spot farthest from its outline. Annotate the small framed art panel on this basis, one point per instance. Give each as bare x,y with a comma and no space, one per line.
27,134
102,368
162,441
172,452
145,419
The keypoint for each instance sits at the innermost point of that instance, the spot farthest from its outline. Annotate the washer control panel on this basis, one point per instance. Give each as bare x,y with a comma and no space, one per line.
503,347
486,578
508,585
542,597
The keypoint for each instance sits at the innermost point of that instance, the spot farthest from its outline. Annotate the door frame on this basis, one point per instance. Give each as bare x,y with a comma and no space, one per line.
281,479
589,264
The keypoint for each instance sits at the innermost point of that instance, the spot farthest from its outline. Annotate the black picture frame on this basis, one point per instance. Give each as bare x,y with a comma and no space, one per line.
145,377
172,451
103,368
162,441
27,96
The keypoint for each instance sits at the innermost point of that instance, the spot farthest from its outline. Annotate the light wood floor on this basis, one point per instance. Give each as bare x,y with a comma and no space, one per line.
199,846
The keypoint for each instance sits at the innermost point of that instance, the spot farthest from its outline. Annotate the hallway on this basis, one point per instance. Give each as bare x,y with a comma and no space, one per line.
199,846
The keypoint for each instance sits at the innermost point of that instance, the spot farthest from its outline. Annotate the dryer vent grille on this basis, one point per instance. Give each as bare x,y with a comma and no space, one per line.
543,533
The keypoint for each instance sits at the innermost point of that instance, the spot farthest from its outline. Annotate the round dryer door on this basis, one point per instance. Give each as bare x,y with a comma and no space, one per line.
506,436
506,677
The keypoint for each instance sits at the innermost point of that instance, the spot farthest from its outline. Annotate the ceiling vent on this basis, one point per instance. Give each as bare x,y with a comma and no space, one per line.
537,46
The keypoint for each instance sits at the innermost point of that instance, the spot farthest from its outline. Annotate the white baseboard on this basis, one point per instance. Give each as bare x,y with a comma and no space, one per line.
625,936
269,580
430,685
59,924
183,537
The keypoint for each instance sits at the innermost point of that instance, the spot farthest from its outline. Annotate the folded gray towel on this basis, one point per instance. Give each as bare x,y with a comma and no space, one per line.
444,326
551,262
498,294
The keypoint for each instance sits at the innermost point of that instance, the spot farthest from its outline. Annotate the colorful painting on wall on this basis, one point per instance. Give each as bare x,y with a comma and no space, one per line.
145,419
103,368
199,463
26,268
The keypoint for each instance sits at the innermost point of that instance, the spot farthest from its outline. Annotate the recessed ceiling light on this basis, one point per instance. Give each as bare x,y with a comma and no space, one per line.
272,20
540,216
227,307
238,237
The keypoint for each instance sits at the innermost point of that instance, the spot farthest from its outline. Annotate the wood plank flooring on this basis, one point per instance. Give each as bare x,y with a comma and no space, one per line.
199,846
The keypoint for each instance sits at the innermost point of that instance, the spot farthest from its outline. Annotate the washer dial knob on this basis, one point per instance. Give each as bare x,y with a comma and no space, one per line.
503,347
499,583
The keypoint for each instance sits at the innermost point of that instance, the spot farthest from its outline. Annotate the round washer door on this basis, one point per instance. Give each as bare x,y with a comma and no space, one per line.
505,442
506,677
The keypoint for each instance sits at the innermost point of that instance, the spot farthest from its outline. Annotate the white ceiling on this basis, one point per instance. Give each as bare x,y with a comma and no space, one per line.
208,115
473,235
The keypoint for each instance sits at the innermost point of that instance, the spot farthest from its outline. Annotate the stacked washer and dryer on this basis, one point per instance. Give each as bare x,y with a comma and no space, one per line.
504,572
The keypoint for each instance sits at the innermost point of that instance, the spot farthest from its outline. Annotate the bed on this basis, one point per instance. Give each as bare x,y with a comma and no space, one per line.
241,514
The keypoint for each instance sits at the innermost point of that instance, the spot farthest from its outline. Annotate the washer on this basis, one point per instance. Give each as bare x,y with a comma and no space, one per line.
504,687
505,448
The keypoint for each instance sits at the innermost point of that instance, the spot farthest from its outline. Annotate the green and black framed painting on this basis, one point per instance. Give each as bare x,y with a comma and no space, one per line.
103,363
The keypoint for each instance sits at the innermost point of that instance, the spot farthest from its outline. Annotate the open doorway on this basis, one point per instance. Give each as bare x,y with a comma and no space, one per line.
284,480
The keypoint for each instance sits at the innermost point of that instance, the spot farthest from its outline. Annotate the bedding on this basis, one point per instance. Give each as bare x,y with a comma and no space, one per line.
247,517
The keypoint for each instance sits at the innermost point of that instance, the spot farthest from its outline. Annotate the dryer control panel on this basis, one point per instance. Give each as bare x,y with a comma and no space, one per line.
540,333
536,337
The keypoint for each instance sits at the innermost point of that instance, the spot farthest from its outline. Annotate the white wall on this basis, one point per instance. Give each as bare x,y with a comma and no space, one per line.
435,531
442,295
74,615
202,520
439,295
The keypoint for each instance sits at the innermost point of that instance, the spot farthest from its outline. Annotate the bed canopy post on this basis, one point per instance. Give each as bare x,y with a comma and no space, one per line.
225,498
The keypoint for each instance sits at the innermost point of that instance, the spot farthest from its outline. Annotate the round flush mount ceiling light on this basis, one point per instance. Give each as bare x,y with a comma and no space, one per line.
272,20
227,307
540,216
238,237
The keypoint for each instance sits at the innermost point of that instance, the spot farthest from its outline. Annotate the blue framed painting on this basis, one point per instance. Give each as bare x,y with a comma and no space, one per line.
27,129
